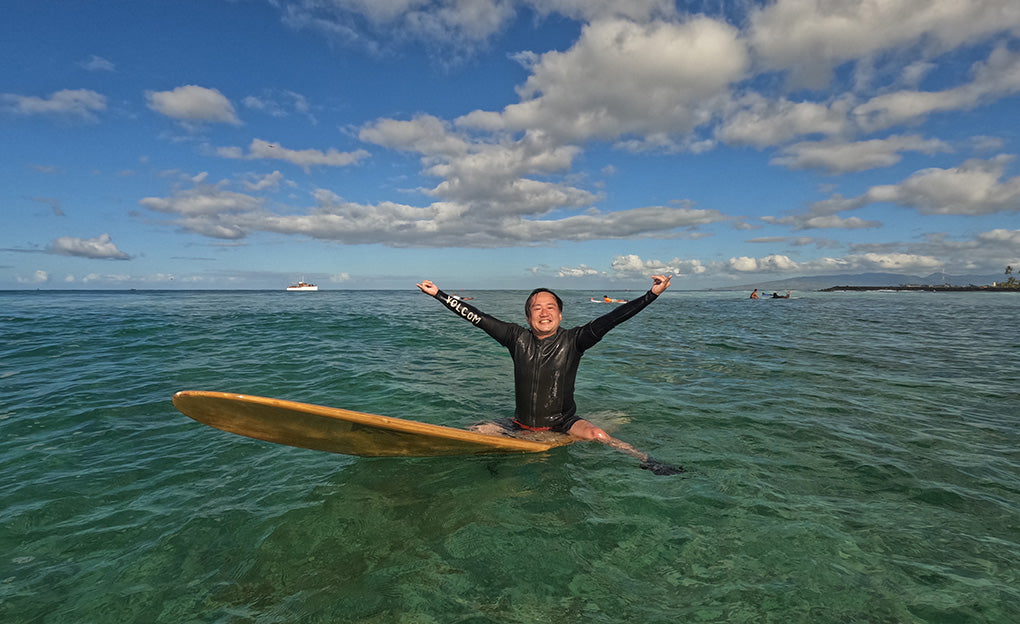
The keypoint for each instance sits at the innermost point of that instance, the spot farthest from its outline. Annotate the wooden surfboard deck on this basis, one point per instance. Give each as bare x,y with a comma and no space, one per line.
343,431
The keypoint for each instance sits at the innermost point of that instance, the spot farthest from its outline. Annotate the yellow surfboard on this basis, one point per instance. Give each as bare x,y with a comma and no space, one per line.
351,433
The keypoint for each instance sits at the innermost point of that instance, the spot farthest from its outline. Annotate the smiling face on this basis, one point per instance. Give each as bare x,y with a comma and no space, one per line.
544,314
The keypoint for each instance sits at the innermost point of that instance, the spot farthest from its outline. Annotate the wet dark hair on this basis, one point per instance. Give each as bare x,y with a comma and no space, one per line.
527,304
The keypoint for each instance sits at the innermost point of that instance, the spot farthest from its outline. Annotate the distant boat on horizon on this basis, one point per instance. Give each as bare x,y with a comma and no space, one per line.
302,287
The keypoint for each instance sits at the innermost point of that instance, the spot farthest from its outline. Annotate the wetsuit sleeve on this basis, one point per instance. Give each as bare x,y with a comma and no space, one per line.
592,332
502,331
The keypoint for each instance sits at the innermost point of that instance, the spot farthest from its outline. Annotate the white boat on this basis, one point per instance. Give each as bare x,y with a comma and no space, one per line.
302,287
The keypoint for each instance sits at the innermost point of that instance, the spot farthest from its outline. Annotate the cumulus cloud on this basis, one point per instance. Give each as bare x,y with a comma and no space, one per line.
770,263
1001,236
579,271
987,249
647,222
116,278
506,189
997,76
306,158
39,277
756,120
638,76
216,211
193,104
631,265
795,241
975,187
209,209
80,103
493,178
425,134
100,247
842,157
823,215
268,182
665,77
808,38
895,262
863,262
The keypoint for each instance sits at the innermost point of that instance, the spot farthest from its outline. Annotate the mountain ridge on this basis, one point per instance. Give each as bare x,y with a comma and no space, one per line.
818,282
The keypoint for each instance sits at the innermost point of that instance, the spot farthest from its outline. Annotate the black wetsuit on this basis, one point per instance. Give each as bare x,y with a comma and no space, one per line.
545,370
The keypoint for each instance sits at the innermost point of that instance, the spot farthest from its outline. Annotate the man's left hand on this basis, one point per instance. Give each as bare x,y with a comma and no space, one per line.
660,283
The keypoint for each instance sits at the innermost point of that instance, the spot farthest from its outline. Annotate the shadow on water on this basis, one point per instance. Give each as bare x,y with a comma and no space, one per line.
384,537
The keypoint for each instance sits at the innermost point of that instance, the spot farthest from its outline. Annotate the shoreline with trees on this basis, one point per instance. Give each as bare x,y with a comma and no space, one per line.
1009,285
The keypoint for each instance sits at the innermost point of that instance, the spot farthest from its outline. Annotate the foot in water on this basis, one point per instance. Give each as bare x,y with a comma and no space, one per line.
661,468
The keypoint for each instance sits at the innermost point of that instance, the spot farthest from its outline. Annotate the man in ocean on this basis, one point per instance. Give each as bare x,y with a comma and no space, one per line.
546,358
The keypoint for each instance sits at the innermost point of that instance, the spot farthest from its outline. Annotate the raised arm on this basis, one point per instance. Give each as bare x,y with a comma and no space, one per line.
501,331
459,307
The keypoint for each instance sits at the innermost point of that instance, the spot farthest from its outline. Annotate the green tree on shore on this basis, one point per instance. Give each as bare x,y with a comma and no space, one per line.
1012,281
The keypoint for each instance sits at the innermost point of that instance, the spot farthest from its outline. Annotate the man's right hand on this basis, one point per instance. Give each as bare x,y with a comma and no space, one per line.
428,287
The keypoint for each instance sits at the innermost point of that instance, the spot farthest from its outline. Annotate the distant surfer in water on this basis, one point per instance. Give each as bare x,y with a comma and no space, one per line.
546,358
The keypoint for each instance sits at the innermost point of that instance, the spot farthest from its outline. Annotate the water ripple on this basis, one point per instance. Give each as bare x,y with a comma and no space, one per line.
849,459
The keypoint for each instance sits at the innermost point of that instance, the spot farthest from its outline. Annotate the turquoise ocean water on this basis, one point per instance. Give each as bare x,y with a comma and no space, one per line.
850,458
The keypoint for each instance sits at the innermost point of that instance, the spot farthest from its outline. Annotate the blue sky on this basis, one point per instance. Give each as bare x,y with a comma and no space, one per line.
505,143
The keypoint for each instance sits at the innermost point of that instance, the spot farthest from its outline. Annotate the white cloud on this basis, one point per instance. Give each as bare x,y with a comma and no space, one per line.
595,10
770,263
39,277
425,134
822,215
811,37
281,104
191,103
1002,237
205,200
579,271
664,77
839,157
864,262
108,278
215,211
647,222
100,247
493,178
987,251
306,158
98,63
759,121
82,103
270,181
631,265
455,27
209,210
997,76
975,187
895,262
